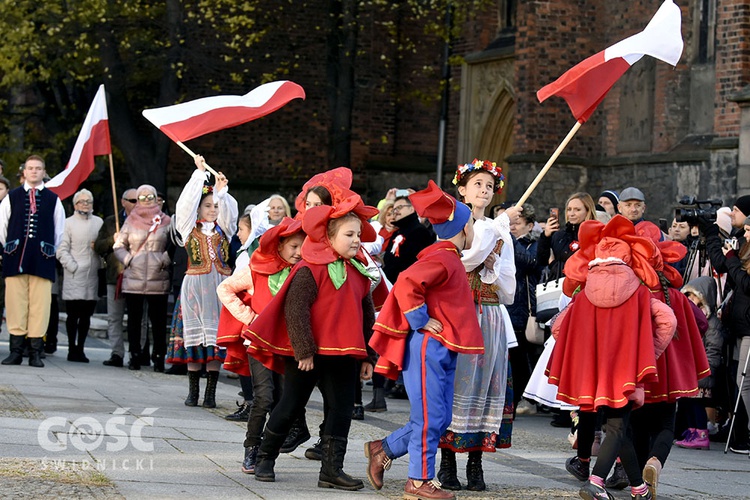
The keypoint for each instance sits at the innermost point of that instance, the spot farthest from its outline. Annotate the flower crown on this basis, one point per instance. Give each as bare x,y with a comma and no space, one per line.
489,166
207,189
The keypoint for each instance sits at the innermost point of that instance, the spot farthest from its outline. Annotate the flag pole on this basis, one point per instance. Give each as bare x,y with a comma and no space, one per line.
188,151
114,193
549,163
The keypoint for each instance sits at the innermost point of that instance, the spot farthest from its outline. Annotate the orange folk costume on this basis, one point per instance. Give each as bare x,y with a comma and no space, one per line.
613,331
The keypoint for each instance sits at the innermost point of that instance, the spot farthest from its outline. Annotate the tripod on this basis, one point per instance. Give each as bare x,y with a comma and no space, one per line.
697,249
737,403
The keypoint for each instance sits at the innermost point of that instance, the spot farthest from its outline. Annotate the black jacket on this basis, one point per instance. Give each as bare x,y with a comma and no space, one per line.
559,244
737,279
528,272
410,238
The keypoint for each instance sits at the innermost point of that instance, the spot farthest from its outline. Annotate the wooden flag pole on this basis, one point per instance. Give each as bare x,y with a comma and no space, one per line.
549,163
114,193
188,151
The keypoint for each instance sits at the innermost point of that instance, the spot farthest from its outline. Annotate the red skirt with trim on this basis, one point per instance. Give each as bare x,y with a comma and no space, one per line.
601,354
684,362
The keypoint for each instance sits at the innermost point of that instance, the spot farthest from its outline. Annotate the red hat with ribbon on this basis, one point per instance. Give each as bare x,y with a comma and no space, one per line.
338,183
669,252
599,241
316,248
447,215
266,259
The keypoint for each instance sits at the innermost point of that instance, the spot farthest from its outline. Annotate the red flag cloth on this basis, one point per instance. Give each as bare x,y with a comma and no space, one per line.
586,84
92,141
192,119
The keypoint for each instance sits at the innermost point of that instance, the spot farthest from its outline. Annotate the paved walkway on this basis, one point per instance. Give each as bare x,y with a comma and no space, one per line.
90,431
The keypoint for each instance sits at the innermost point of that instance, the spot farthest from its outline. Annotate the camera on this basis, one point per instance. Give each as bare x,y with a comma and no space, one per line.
402,192
693,209
732,243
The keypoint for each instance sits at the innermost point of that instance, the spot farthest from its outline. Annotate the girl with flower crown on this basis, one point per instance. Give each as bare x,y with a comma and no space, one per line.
482,390
205,219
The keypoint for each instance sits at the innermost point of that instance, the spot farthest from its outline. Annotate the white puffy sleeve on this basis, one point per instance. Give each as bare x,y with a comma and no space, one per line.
186,209
485,238
228,211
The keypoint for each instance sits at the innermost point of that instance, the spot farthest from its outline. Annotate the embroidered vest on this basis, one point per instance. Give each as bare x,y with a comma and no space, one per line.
482,292
203,251
30,244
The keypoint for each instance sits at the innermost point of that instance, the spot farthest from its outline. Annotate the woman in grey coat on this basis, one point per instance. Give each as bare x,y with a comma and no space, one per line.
81,265
141,246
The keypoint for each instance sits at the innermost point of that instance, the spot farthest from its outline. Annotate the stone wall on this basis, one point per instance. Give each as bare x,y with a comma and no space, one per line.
663,181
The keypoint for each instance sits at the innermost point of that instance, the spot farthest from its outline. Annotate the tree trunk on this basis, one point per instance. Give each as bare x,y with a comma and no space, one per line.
146,152
342,48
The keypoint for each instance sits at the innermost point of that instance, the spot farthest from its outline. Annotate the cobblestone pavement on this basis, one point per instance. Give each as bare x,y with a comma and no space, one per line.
56,442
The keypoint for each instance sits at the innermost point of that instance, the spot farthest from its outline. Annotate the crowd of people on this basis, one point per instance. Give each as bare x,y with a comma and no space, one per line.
645,348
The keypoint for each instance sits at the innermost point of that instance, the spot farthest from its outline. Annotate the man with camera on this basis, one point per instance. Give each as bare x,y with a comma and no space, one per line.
734,259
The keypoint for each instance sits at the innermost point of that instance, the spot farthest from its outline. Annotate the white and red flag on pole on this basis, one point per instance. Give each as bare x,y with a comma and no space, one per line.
188,120
584,85
93,140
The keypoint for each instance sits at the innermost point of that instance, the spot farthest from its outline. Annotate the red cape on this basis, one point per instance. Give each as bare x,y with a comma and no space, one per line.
336,319
684,362
602,353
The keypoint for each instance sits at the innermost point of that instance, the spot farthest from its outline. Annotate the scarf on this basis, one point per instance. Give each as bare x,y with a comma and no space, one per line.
147,218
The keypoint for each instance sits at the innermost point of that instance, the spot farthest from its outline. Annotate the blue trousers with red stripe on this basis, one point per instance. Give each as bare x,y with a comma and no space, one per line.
429,370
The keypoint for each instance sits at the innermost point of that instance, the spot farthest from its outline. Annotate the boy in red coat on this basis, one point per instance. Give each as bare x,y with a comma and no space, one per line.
420,330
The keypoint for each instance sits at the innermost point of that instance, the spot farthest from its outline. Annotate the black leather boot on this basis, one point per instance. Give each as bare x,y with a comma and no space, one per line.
36,348
474,472
209,398
378,403
16,350
135,361
448,473
298,434
315,452
267,455
159,363
332,474
81,342
194,389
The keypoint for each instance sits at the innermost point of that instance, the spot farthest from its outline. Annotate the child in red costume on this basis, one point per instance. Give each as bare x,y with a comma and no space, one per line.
314,330
684,362
245,294
420,331
609,338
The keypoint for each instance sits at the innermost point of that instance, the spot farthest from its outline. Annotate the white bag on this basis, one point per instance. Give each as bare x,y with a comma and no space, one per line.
547,299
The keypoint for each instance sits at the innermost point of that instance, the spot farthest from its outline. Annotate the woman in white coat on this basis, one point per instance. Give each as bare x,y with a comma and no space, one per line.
81,265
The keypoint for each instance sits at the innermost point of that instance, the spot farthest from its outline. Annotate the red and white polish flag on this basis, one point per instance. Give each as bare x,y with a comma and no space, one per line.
586,84
188,120
93,140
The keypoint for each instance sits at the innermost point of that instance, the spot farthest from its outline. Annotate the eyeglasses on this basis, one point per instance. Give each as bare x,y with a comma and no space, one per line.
146,197
130,200
85,202
399,207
